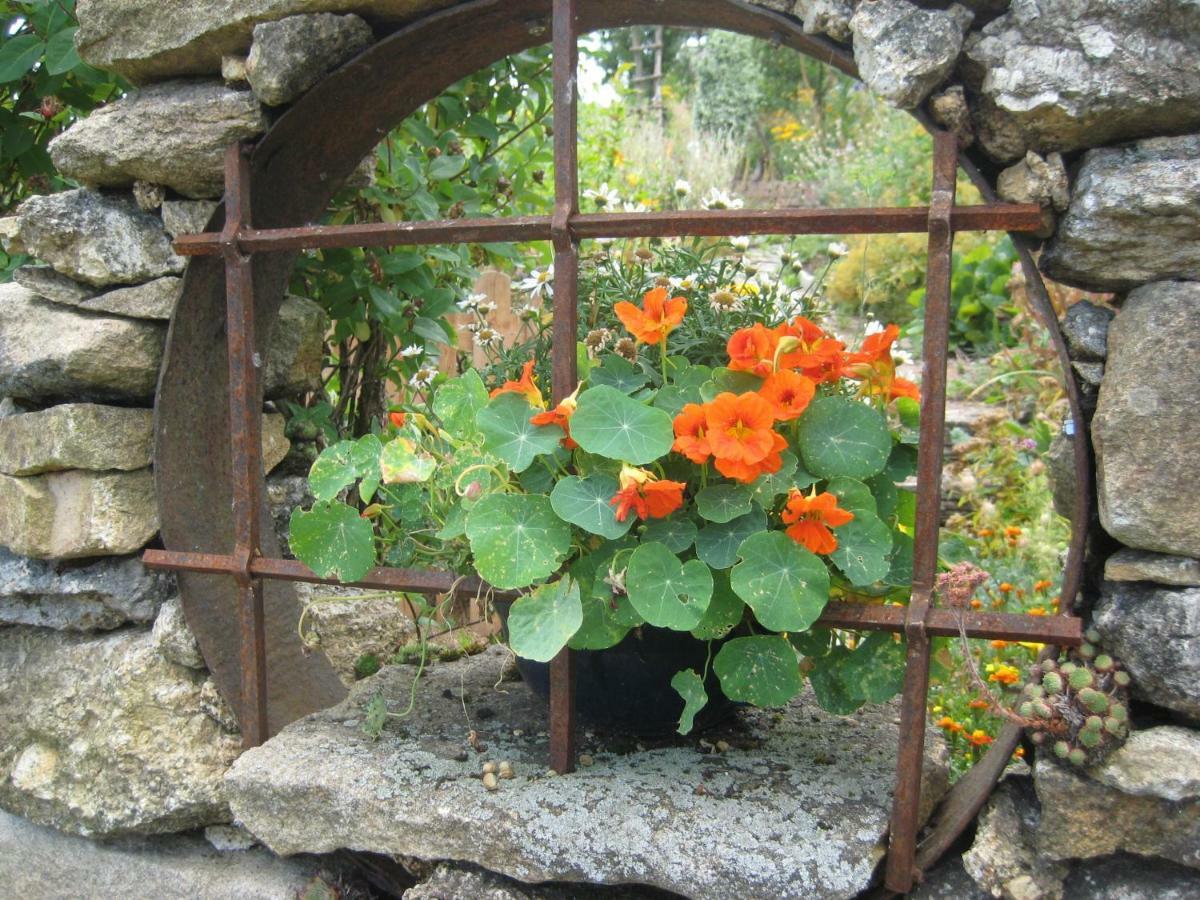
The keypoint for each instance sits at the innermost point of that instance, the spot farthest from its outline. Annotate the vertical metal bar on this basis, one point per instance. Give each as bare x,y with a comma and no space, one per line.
566,314
245,428
901,872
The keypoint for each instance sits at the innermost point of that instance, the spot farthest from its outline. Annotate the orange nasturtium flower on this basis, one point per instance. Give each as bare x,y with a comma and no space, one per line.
789,393
753,350
812,351
741,427
560,416
873,364
397,418
690,427
642,493
524,386
809,519
657,318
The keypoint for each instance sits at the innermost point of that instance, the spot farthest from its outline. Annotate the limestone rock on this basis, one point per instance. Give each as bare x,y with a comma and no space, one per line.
229,837
76,436
1139,565
187,216
1144,429
174,639
1128,877
97,596
1161,762
149,196
68,515
831,17
1085,326
346,627
96,239
1134,217
1067,74
10,235
49,285
102,736
1060,466
290,56
297,348
1036,180
1004,860
451,881
173,134
39,862
1085,817
148,40
1155,631
904,52
810,792
153,300
233,69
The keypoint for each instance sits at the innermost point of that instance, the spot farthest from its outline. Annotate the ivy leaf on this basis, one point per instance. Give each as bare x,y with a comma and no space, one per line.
541,622
664,592
690,687
333,540
761,670
508,433
786,585
458,402
864,549
717,544
676,532
610,424
516,539
585,502
725,610
842,437
874,672
401,462
833,693
723,502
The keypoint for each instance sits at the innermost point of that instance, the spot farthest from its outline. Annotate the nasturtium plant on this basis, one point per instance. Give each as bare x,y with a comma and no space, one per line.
727,498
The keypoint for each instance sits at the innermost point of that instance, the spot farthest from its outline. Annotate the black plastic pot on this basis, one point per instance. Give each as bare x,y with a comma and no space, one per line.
627,688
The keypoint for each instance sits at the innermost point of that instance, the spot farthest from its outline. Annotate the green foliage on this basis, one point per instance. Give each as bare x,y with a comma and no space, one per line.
690,687
982,310
785,584
612,425
761,670
664,591
541,622
516,539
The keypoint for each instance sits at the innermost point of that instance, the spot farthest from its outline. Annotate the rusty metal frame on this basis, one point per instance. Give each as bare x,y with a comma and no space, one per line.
252,565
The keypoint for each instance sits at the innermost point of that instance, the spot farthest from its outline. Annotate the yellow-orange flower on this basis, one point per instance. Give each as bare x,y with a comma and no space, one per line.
873,365
642,493
980,738
978,703
560,416
524,386
789,393
747,472
810,517
740,427
657,317
1005,675
812,351
690,427
753,350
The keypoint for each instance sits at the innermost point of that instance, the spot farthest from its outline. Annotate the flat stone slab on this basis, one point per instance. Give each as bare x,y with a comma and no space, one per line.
796,807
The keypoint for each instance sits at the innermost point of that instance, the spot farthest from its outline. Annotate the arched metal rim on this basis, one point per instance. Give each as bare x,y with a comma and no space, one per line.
297,168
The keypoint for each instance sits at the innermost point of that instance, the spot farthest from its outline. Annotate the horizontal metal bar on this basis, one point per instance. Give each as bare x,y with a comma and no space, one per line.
1061,630
701,223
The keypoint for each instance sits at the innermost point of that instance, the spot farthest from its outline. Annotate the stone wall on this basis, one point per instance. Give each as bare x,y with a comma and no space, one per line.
109,724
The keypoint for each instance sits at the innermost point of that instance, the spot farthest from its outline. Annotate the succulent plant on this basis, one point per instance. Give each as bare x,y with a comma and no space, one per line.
1080,679
1052,682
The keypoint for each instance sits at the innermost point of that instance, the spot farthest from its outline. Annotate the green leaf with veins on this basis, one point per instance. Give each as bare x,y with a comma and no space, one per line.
762,670
516,539
725,610
343,463
608,423
541,622
508,433
458,402
717,544
690,687
333,540
838,436
864,549
585,502
786,585
724,502
677,532
833,693
874,671
665,592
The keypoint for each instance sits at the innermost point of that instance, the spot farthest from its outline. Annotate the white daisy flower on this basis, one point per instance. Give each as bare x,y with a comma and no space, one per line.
424,377
718,199
637,207
741,243
604,197
682,188
539,284
487,307
874,327
471,303
804,278
682,284
837,248
412,350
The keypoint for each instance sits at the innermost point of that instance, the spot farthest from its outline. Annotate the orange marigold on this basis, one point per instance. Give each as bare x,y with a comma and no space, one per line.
1005,675
657,317
643,494
810,517
980,738
523,385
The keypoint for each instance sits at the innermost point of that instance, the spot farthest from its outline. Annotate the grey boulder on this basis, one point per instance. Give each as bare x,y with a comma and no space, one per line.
904,52
291,55
76,436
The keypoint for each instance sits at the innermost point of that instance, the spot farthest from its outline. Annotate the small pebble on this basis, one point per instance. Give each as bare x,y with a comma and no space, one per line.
506,770
489,768
585,760
517,732
461,756
722,746
490,782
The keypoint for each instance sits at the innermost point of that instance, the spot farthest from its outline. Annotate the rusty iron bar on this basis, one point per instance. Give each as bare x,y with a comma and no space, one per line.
1063,630
589,226
245,422
565,375
901,873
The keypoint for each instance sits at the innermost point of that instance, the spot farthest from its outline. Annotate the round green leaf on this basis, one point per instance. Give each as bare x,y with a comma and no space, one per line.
864,548
541,622
333,540
664,592
762,670
829,685
676,532
843,437
619,373
508,433
786,585
690,687
723,502
610,424
585,502
458,402
718,544
516,539
725,610
343,463
852,495
401,462
874,672
601,628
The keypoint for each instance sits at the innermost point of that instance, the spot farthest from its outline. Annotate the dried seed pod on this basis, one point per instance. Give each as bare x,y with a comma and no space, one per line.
506,770
490,782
